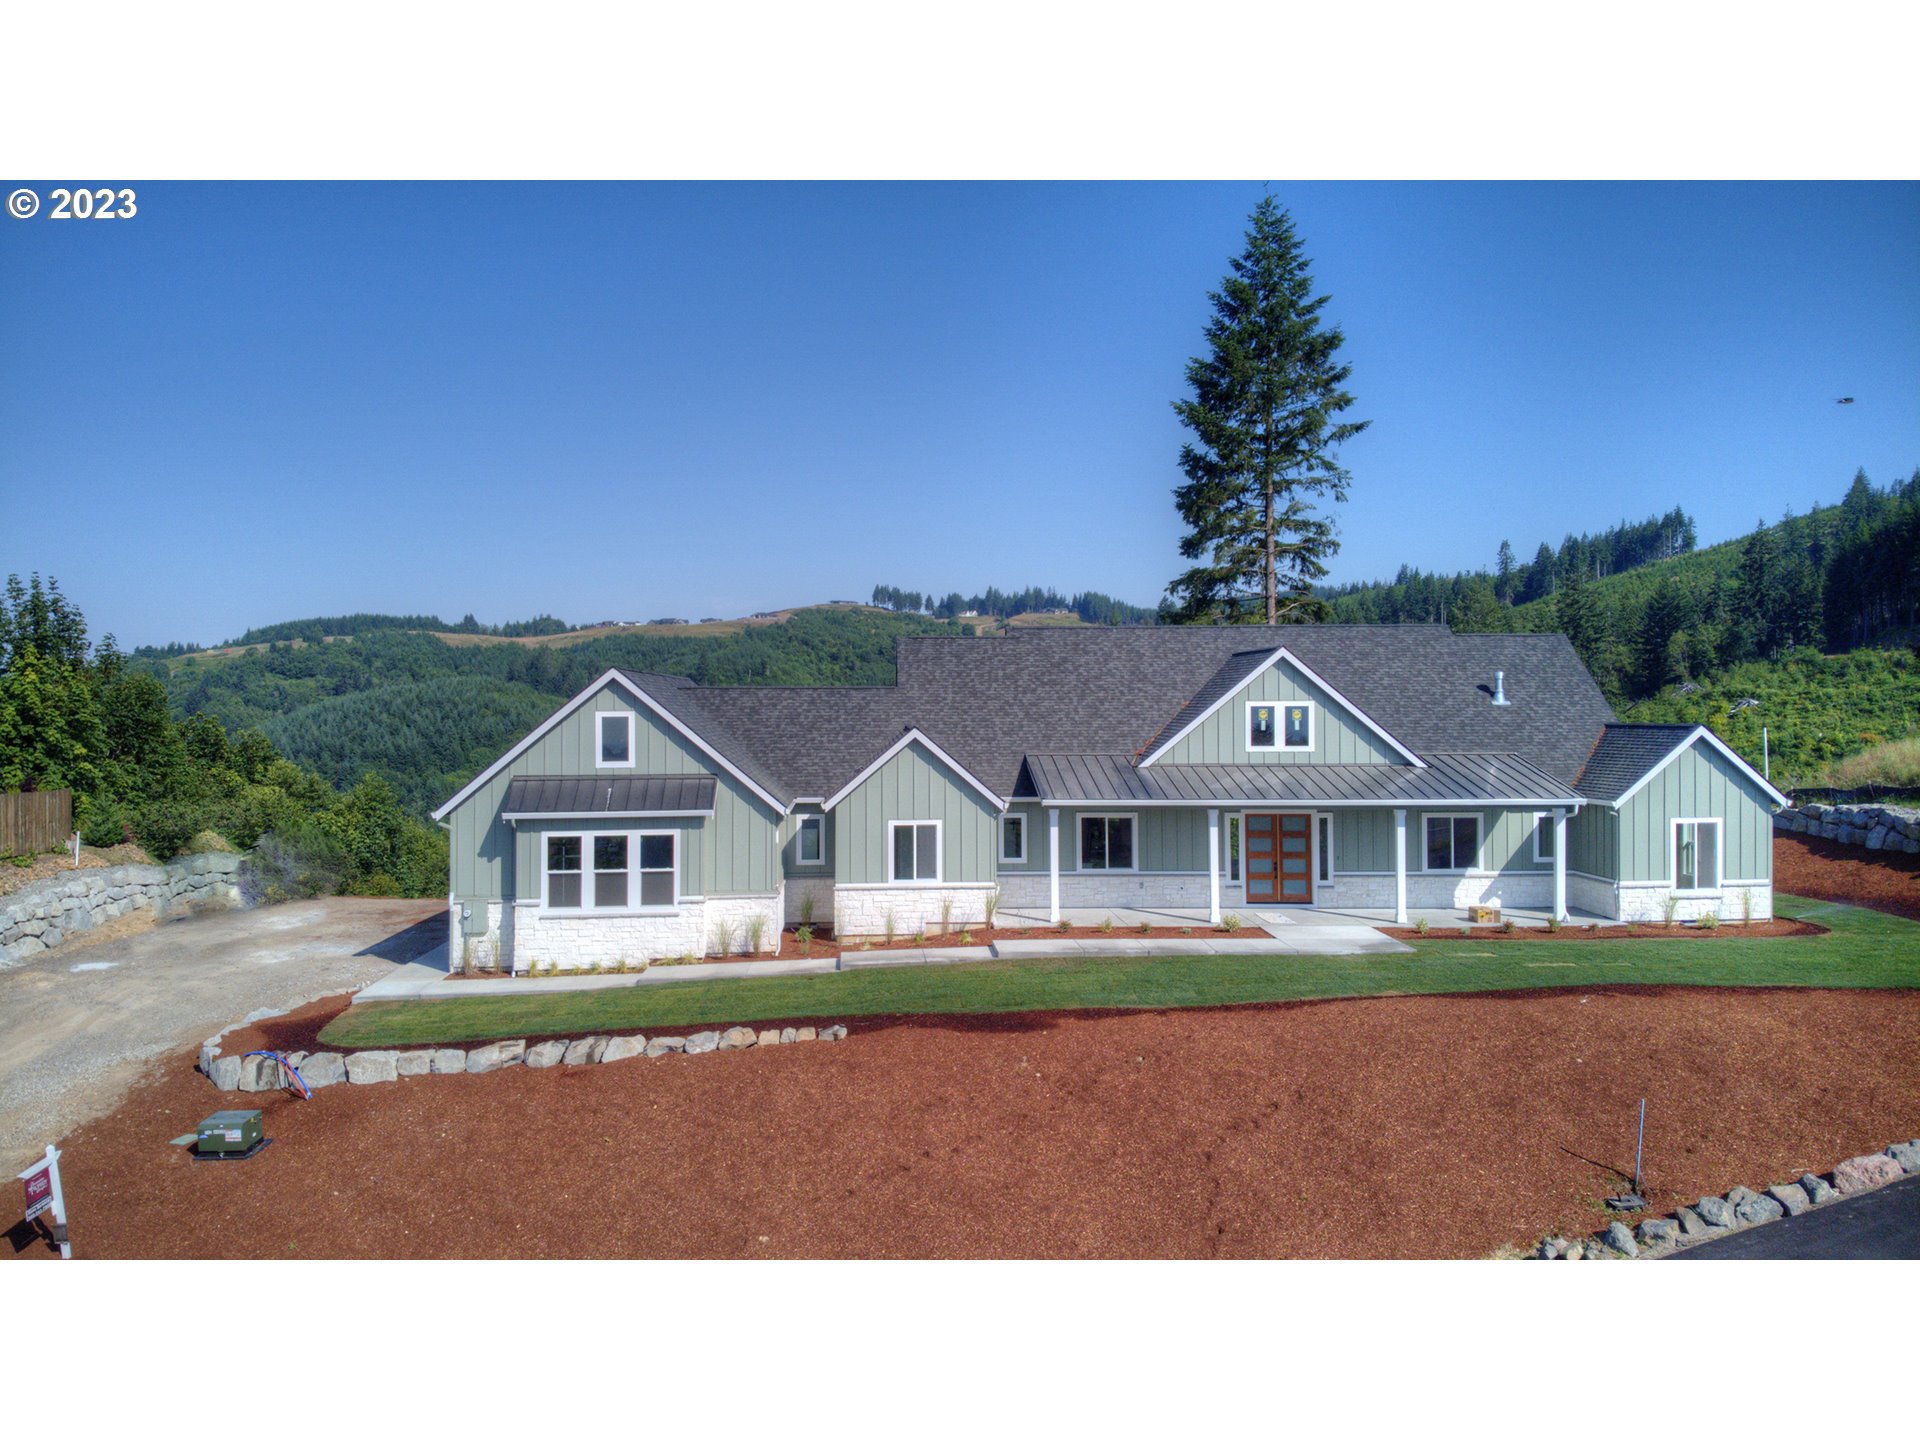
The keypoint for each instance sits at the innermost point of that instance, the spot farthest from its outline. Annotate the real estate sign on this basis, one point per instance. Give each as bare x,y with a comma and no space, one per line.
39,1187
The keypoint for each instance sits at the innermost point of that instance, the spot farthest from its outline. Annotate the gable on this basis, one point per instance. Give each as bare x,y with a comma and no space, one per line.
1341,734
1700,783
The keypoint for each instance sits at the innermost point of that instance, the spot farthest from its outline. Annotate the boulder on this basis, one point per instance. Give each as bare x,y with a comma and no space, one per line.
496,1056
265,1012
261,1072
806,1032
1620,1239
449,1062
1575,1251
585,1052
665,1045
1877,838
209,1052
1739,1196
323,1069
789,1035
546,1053
623,1047
1659,1232
372,1067
737,1037
1818,1190
1906,1155
768,1037
1758,1210
225,1072
706,1040
413,1062
1790,1198
1551,1248
1715,1211
834,1032
1864,1172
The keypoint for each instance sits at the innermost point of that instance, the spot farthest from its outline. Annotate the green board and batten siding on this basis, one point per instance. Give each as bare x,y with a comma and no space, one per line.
734,853
915,785
1338,738
1700,784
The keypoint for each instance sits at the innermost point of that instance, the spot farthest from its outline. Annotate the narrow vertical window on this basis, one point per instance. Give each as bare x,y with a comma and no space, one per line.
1696,855
616,737
1233,849
609,872
1260,727
1013,838
1323,844
809,847
659,869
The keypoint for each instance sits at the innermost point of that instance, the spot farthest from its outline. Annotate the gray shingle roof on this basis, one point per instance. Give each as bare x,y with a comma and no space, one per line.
608,794
1111,691
1447,779
1624,754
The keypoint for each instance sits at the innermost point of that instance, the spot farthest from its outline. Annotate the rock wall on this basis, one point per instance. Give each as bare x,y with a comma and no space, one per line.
45,913
1878,827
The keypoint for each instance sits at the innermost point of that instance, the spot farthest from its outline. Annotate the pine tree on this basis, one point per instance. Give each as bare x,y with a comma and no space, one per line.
1263,410
1504,573
1578,616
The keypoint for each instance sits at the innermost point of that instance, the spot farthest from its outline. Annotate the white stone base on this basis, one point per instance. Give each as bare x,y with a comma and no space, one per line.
1649,902
521,938
862,910
1130,892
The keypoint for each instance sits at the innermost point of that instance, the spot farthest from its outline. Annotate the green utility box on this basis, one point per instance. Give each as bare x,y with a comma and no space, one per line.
228,1132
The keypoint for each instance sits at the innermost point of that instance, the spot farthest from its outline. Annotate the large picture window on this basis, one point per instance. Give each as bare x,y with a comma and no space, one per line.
916,851
1279,725
1453,842
613,730
1106,842
612,871
1696,856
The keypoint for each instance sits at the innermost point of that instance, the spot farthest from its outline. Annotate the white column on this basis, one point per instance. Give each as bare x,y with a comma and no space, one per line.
1053,867
1560,865
1213,867
1399,867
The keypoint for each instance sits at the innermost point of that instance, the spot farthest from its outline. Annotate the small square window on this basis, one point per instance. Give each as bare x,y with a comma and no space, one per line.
1453,841
916,850
1106,842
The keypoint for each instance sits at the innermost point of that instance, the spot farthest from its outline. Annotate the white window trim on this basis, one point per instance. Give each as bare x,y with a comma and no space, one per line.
599,760
939,851
1719,853
801,824
1079,858
1479,840
634,839
1025,826
1542,825
1279,707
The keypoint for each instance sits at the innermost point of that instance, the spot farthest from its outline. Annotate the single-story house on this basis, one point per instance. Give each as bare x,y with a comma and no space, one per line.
1362,768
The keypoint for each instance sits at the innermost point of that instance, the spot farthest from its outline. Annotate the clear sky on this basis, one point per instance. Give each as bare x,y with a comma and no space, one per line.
261,402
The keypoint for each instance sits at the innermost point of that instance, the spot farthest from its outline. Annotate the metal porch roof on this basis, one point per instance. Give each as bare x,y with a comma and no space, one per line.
1446,780
589,795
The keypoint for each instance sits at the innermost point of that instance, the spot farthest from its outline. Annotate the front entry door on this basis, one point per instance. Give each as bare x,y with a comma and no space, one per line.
1279,859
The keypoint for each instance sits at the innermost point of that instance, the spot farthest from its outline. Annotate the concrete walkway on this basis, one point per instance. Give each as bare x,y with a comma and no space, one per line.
427,977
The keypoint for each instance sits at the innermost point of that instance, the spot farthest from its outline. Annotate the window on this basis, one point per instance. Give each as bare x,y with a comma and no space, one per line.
1013,838
609,882
1543,837
916,851
1323,845
809,840
1696,856
615,731
1453,841
1233,849
1280,726
1106,842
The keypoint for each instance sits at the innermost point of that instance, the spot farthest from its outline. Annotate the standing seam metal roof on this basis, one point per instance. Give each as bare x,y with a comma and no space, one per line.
1447,779
608,794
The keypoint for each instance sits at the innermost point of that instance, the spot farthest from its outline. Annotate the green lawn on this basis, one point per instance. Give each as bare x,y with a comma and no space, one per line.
1866,950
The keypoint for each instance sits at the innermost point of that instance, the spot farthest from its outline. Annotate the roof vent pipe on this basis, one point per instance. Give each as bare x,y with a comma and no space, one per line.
1500,688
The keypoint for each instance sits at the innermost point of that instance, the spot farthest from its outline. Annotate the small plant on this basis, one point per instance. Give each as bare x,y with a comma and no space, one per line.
993,905
946,917
1420,926
1466,932
1063,927
891,930
756,934
1553,924
920,935
1708,921
805,936
1746,906
1670,906
1106,926
722,937
1146,928
1186,929
1231,923
966,936
806,908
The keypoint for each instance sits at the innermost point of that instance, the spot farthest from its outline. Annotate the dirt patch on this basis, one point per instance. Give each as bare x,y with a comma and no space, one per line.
60,862
1418,1126
1757,930
1827,870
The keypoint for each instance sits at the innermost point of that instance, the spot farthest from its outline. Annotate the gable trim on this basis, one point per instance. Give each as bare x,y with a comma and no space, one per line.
654,706
1701,732
1307,672
914,733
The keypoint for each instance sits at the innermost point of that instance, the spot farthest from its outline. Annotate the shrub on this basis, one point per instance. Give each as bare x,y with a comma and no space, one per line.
295,864
1708,921
1063,927
891,931
1231,923
1507,926
946,916
993,905
1553,924
1670,907
1146,928
966,936
722,937
1106,925
165,827
805,936
103,823
1746,905
1420,926
756,934
806,909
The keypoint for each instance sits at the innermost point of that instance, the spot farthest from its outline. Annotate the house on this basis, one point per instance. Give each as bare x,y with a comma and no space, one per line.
1358,768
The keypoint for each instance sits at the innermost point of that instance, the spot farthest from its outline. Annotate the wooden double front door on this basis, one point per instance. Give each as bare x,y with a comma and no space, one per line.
1279,859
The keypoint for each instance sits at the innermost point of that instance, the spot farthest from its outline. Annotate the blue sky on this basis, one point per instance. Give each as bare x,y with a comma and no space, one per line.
260,402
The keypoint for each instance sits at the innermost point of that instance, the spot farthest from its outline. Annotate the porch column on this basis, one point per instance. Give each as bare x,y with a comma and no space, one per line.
1399,867
1053,867
1560,865
1213,867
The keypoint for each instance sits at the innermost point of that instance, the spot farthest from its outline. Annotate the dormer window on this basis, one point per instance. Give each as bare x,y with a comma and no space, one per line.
1280,725
614,729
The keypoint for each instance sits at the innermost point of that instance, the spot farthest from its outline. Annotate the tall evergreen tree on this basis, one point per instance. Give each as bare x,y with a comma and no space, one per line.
1265,436
1504,574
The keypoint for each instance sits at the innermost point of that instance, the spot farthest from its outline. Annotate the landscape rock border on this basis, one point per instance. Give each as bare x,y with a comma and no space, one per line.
322,1068
38,917
1739,1209
1877,827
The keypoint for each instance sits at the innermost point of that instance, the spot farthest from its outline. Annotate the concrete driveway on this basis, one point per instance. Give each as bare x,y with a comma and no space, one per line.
77,1027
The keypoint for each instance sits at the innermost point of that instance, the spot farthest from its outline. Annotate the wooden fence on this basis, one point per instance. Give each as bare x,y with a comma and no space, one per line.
30,823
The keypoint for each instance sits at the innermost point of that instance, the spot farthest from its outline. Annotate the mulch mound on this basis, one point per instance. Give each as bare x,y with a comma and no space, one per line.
1412,1127
1755,930
1850,874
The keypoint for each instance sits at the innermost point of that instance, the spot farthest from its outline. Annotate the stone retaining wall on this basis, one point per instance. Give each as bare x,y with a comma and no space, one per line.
46,912
1878,827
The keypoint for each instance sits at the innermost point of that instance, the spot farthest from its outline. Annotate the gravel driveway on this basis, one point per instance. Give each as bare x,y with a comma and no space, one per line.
78,1026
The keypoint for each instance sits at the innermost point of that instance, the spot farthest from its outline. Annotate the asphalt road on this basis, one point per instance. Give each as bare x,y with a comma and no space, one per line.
77,1027
1883,1224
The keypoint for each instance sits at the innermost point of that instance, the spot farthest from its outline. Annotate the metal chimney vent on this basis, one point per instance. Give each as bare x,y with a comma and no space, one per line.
1500,688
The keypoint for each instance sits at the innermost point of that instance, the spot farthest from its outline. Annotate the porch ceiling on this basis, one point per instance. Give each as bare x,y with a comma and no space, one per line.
1445,779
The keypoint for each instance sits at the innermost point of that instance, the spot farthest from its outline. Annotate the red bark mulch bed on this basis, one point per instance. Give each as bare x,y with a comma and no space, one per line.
1757,930
1850,874
1420,1126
